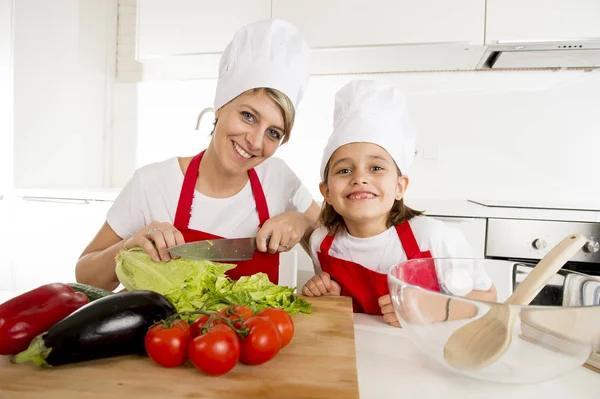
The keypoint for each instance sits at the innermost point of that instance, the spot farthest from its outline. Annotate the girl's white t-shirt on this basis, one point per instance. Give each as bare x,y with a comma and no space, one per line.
153,193
384,250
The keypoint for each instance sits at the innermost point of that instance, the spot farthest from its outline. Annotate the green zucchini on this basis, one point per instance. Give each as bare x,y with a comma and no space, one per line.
91,292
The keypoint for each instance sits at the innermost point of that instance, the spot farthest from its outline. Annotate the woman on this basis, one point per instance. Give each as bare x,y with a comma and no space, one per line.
233,188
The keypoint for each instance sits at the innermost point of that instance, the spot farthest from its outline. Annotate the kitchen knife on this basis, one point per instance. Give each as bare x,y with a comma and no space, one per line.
226,249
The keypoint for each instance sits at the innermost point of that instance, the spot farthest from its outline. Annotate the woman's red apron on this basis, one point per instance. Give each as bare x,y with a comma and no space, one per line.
365,286
261,261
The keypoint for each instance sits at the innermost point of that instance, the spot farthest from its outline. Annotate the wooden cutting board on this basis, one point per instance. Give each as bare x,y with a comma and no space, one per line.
320,362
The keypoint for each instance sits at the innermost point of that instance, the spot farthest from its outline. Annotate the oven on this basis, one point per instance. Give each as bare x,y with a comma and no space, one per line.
525,242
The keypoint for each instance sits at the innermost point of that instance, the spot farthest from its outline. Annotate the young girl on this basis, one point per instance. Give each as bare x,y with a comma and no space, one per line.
366,228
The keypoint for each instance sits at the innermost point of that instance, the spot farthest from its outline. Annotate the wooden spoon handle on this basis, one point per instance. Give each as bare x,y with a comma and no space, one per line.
546,269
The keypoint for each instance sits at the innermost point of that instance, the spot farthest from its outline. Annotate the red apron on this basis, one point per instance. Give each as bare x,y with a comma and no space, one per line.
261,261
365,286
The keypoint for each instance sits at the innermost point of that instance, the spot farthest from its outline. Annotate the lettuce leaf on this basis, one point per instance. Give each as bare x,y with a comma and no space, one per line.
190,284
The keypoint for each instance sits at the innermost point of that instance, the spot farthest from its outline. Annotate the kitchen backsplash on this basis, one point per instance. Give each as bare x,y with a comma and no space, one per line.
527,135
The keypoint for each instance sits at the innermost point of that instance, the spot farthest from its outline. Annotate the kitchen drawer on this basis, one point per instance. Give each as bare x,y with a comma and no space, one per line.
472,228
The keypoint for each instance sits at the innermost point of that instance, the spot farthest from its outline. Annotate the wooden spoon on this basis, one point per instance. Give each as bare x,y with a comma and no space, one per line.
483,341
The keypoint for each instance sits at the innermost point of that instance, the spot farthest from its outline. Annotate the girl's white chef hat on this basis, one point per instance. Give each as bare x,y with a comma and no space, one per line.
268,53
371,111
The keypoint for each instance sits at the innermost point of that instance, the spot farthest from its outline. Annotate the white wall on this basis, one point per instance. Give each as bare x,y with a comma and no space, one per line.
490,135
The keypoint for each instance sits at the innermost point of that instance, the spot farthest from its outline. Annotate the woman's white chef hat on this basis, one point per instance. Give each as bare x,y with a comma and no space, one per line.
268,53
370,111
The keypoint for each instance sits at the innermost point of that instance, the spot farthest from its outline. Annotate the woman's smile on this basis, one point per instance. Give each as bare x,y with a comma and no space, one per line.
240,152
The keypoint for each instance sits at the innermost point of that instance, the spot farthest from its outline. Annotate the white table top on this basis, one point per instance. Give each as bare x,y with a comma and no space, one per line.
390,366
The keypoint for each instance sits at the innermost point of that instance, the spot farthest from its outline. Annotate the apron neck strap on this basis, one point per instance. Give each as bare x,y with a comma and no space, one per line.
186,196
407,239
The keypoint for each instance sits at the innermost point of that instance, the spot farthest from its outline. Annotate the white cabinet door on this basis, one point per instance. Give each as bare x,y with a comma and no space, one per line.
474,230
353,36
541,20
183,27
49,236
6,96
61,90
5,248
338,23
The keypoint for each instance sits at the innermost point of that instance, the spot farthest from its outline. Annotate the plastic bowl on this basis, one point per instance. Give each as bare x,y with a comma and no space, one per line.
553,335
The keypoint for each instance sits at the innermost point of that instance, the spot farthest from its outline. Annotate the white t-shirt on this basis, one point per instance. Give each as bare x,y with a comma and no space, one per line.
380,252
153,193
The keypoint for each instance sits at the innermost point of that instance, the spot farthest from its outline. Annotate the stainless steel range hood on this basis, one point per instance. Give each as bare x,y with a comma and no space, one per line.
573,54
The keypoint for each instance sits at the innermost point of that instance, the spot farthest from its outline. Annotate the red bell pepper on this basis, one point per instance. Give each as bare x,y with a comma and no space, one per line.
32,313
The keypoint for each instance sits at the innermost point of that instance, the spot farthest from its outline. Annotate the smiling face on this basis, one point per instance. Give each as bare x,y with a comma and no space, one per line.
363,183
249,129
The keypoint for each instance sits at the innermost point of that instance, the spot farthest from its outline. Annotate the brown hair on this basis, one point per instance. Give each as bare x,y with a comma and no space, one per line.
399,213
285,106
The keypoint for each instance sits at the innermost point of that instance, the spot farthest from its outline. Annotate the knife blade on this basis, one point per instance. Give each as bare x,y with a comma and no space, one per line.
223,249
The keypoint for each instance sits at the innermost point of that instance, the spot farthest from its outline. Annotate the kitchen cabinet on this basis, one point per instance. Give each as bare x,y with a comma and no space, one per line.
388,35
64,55
48,237
185,38
541,20
342,23
6,96
5,261
183,27
288,268
473,229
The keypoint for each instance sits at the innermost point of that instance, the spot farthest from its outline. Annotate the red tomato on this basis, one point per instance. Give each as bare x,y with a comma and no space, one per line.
215,352
167,346
234,312
282,321
199,323
262,343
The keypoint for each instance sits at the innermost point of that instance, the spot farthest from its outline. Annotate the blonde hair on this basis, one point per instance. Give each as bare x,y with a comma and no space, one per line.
285,106
399,213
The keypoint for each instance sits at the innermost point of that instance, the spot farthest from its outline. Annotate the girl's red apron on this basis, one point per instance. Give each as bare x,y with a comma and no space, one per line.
365,286
261,261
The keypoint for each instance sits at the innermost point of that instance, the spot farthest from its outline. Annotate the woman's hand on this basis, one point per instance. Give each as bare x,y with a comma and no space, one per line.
284,230
321,284
155,239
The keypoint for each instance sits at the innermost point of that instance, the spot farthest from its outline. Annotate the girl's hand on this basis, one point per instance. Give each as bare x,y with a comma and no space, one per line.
155,239
321,284
387,309
285,230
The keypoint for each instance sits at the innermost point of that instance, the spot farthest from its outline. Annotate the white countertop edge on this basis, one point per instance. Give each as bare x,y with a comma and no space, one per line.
444,207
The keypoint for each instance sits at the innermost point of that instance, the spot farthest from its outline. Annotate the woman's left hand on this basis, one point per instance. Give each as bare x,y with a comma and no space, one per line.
284,230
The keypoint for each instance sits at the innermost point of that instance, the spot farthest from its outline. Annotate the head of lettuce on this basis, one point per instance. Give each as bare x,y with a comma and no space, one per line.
191,284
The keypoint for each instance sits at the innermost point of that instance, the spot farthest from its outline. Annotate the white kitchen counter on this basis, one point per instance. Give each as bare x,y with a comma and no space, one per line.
452,207
464,208
390,366
108,194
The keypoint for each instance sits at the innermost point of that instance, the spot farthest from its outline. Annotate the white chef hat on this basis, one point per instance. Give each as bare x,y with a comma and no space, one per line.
268,53
370,111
